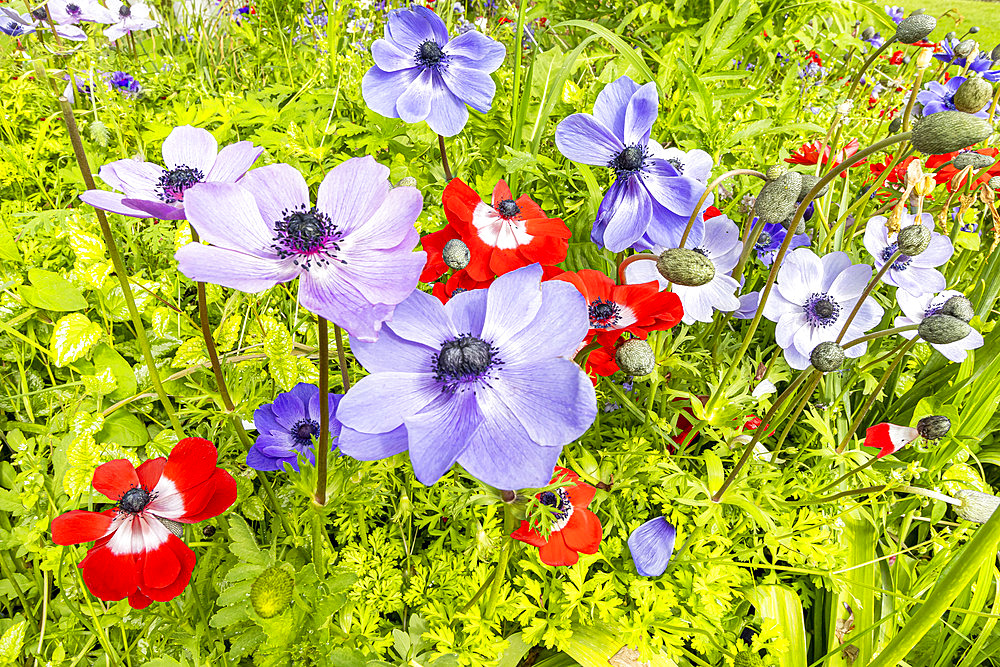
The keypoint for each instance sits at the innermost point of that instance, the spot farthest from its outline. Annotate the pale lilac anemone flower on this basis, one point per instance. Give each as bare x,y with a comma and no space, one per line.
916,307
353,250
128,18
916,274
192,156
71,12
16,25
812,299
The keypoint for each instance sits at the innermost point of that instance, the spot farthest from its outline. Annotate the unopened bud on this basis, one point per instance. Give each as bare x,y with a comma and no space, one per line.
973,30
951,34
508,496
965,48
635,357
934,427
827,357
775,172
808,183
208,531
682,266
407,182
867,33
976,506
895,125
972,159
943,329
777,198
948,131
915,27
974,93
994,183
925,185
924,58
995,53
456,254
960,307
271,592
913,239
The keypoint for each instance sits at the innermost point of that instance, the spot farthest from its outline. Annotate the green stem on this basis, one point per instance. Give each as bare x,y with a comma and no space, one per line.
8,574
206,333
323,446
880,334
857,76
317,540
345,376
501,571
864,295
850,473
516,114
119,266
790,421
444,159
708,190
271,498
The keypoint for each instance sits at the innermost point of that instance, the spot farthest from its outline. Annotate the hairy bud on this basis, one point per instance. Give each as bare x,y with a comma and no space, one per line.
456,254
635,357
960,307
948,131
974,93
965,48
943,329
994,183
685,267
99,133
934,427
775,172
271,592
972,159
827,357
995,53
867,33
895,125
976,506
913,239
777,198
808,183
407,182
915,27
174,527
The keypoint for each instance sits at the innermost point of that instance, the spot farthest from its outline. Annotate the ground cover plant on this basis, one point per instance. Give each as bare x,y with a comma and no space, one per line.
558,333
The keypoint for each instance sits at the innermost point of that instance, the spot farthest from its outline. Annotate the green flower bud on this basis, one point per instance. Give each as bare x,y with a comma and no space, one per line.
972,159
915,27
827,357
777,198
776,172
973,30
635,357
965,48
960,307
407,182
943,329
994,183
948,131
951,34
748,658
808,183
271,592
913,239
973,94
976,506
867,33
685,267
895,125
456,254
934,427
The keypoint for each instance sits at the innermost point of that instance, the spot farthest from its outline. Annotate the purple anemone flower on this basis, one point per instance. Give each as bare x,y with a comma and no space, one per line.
651,546
719,241
128,18
421,74
812,299
71,12
981,64
353,250
897,14
15,25
769,241
916,307
486,380
150,191
917,274
651,200
936,97
287,428
695,163
124,83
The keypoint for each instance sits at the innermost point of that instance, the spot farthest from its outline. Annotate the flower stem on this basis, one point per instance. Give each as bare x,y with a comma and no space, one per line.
323,446
638,257
880,334
867,291
444,159
119,266
501,571
345,376
213,353
913,98
317,543
847,474
269,492
857,76
708,190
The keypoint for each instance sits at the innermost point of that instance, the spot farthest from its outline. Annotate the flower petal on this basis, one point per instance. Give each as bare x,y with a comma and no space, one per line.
229,268
227,215
431,454
372,446
79,526
355,190
112,202
581,138
583,532
612,102
512,302
234,161
397,395
109,576
624,214
135,179
476,48
640,115
189,146
114,478
471,85
414,104
275,189
651,546
381,90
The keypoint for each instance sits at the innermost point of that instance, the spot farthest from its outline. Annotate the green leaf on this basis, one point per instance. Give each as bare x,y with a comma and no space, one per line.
124,429
595,646
8,248
105,358
243,545
74,335
780,606
11,642
630,54
50,291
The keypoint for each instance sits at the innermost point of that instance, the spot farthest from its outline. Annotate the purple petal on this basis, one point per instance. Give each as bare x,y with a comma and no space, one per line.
421,318
511,303
390,353
111,202
876,237
676,193
157,209
352,193
230,268
851,282
651,546
390,57
191,147
917,280
624,213
640,115
474,87
467,311
408,29
798,276
288,408
328,292
938,251
414,104
476,50
582,139
666,227
383,276
234,161
381,89
834,263
276,189
612,101
257,460
957,351
448,114
135,179
431,454
558,328
264,419
226,215
380,402
371,446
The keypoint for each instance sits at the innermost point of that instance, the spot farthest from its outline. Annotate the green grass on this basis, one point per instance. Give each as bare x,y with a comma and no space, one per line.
986,15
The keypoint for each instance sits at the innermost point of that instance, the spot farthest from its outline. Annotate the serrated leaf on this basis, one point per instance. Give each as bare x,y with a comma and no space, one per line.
50,291
87,248
226,333
73,336
85,423
284,370
228,616
243,545
190,353
102,383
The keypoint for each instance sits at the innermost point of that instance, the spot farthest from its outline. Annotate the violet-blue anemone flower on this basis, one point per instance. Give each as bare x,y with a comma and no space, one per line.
749,303
812,299
150,191
352,250
917,274
651,546
875,40
897,14
769,241
71,12
287,428
76,84
695,163
916,307
650,201
16,25
421,74
128,18
719,241
981,64
936,97
124,83
486,381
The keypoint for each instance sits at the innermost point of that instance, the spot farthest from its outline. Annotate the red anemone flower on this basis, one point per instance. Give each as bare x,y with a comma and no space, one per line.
889,438
135,552
433,244
808,153
947,173
896,58
577,530
505,236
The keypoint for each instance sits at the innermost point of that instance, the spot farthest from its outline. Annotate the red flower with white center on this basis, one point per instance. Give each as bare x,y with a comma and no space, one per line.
433,245
808,154
617,309
889,438
505,236
947,171
135,554
576,531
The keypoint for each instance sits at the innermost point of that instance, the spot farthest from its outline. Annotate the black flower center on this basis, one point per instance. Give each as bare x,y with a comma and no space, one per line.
124,11
172,184
134,500
307,234
39,14
901,262
73,10
678,165
603,314
464,360
558,500
821,310
763,241
508,208
429,54
629,160
303,432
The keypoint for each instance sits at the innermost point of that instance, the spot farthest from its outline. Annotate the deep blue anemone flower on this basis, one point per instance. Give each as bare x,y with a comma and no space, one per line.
651,200
936,97
772,235
422,74
981,64
287,428
124,83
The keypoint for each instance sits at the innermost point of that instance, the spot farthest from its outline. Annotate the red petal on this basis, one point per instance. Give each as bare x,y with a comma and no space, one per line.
114,478
501,193
528,535
459,201
557,553
434,244
581,494
160,567
109,576
583,532
78,526
186,558
138,601
222,498
149,472
192,462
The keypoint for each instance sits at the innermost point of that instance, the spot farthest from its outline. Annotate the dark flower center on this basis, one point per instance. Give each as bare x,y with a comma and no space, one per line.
303,431
763,241
558,500
39,14
901,262
134,500
629,160
463,360
508,208
701,251
603,314
429,54
124,11
821,310
73,10
174,182
307,234
678,165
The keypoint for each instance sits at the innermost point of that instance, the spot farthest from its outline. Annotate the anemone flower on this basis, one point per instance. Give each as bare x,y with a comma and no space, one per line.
719,241
71,12
916,307
150,191
422,74
896,14
352,250
917,274
982,64
889,438
812,299
136,553
650,201
769,241
576,530
486,380
651,546
287,427
936,97
16,25
128,18
809,154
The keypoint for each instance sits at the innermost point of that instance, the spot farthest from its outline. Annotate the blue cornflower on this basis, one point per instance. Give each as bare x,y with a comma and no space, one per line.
772,235
651,546
936,97
651,200
124,83
422,74
981,64
486,380
288,426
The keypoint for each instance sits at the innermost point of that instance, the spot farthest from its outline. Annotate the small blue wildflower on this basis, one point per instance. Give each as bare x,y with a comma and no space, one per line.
895,13
124,83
